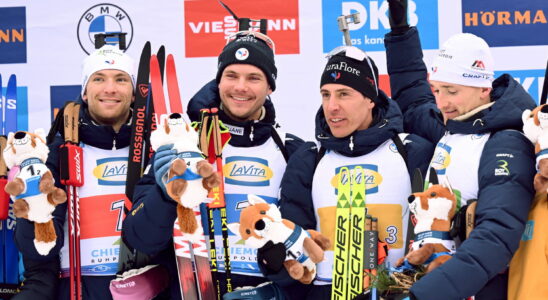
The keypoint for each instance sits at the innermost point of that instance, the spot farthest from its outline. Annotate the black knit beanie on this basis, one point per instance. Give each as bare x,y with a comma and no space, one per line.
247,49
363,76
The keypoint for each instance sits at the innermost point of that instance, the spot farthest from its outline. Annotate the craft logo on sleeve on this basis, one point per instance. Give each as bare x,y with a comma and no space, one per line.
507,22
208,24
531,80
103,18
13,35
369,33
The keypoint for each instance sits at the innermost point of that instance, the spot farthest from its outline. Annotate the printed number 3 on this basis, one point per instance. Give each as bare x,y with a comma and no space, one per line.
392,235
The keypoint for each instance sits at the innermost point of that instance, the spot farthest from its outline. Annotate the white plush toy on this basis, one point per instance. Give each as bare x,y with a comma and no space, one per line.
190,176
33,186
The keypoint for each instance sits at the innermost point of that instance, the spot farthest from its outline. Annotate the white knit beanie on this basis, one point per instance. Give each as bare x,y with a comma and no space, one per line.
107,57
464,59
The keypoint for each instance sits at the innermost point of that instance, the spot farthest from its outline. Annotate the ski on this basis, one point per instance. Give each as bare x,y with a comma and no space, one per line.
192,258
340,267
357,225
137,157
9,254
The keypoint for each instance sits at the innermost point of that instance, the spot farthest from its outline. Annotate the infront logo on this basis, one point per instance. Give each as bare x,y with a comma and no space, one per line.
208,24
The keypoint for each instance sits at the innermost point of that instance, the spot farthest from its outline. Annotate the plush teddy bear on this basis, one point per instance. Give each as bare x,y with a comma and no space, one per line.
434,210
261,224
33,186
535,128
190,176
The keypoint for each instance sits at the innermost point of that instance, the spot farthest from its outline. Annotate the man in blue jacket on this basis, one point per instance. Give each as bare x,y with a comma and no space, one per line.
356,125
108,81
246,77
475,121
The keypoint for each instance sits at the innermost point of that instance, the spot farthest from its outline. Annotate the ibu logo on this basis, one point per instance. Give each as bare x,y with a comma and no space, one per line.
369,33
370,174
247,171
111,171
441,159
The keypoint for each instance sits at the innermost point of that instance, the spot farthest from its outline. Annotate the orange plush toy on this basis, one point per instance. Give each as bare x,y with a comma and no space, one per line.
261,224
33,186
434,210
190,176
535,128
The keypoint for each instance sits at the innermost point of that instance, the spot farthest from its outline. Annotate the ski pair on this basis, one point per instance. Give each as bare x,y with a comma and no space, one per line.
213,136
190,256
348,264
9,255
72,176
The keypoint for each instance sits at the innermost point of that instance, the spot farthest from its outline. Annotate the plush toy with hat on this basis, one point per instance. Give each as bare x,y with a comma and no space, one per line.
189,176
298,250
535,128
33,187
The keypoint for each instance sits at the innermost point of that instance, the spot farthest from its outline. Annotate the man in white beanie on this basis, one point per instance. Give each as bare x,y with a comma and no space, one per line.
475,121
108,81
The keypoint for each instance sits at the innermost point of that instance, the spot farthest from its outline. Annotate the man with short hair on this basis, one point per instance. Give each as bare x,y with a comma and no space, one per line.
246,77
108,81
356,125
475,121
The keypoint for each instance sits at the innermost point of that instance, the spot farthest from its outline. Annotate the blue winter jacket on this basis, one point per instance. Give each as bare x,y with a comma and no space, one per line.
480,262
94,287
149,226
296,188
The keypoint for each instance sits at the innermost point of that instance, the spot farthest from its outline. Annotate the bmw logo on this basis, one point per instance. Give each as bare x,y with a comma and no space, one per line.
103,18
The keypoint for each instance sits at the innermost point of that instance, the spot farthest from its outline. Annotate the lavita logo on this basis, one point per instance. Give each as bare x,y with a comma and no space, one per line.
369,33
111,171
247,171
531,81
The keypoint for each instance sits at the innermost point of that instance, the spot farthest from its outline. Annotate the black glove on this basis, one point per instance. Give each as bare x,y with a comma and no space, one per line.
272,257
398,16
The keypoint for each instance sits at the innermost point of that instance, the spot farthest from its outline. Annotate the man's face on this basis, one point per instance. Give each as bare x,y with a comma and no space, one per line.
346,110
455,100
243,90
109,94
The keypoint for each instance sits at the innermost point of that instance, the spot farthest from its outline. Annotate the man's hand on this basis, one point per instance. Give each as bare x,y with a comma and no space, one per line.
398,16
162,161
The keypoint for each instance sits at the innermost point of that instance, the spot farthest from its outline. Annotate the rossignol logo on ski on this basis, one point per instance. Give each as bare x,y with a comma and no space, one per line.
247,171
103,18
441,159
111,171
138,139
370,175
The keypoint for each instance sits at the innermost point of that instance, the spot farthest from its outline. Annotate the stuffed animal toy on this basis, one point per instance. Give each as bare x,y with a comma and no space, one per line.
434,210
33,186
190,176
261,224
535,128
